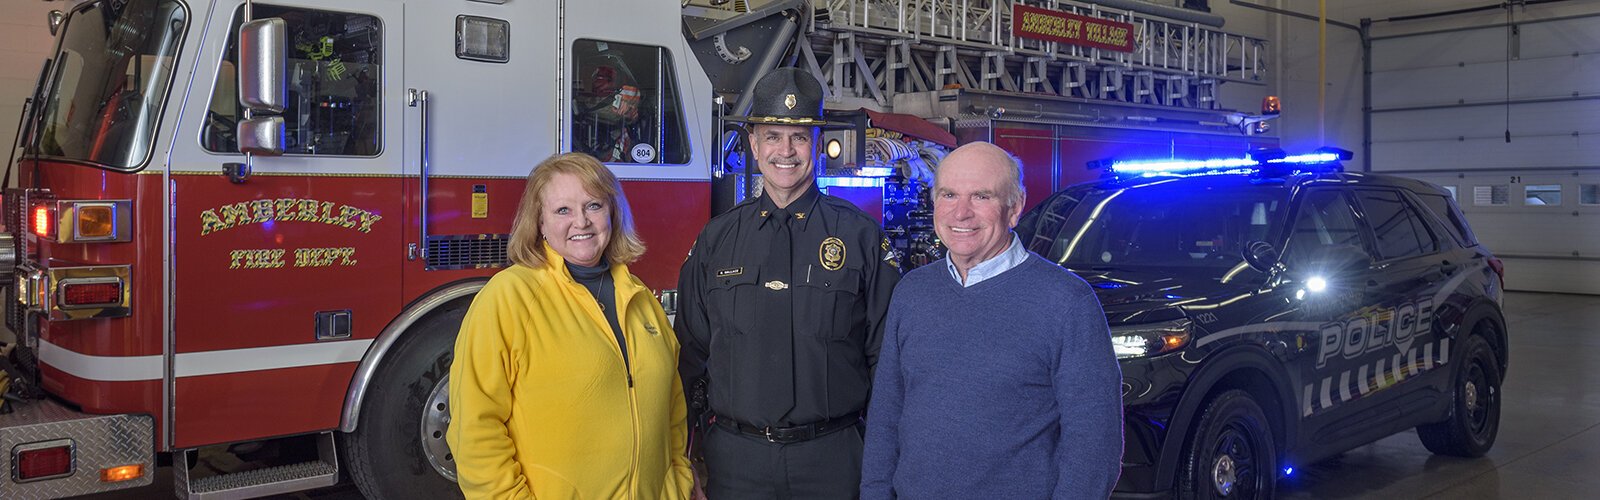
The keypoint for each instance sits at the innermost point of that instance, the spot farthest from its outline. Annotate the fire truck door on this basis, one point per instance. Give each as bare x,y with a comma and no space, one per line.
281,280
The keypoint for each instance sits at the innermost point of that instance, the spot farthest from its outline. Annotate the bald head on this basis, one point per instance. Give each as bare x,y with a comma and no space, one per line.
989,157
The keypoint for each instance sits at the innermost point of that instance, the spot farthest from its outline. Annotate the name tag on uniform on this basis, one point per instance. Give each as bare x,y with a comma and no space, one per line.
732,271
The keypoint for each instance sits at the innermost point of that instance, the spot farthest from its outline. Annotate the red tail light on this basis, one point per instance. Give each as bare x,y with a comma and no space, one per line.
44,463
1499,268
90,294
42,221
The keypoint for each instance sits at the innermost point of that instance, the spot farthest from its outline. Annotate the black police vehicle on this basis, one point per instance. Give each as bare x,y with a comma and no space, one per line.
1274,311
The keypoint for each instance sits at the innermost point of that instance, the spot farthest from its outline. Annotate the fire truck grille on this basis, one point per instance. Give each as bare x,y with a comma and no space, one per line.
468,251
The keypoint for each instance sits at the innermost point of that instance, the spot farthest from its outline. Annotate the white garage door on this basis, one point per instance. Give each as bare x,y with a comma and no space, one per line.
1441,113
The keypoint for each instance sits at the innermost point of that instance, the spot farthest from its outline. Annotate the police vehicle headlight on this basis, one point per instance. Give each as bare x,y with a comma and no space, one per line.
1150,339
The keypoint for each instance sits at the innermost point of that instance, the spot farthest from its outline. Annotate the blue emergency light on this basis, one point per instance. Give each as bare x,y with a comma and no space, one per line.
1258,162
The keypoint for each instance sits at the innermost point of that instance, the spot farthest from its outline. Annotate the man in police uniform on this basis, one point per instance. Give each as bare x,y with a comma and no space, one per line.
780,315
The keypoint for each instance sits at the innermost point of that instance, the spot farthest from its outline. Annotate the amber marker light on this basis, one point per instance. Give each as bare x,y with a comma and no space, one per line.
95,222
121,473
1173,341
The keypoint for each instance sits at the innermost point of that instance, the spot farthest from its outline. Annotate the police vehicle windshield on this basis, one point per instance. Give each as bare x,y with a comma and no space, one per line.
1170,224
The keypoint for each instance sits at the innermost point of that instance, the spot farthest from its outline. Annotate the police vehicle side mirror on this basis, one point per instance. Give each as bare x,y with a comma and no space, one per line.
1260,255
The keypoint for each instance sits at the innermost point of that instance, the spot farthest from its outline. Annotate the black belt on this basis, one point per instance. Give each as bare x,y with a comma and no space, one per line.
796,434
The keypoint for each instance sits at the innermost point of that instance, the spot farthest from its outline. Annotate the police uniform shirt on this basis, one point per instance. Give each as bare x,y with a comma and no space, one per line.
768,366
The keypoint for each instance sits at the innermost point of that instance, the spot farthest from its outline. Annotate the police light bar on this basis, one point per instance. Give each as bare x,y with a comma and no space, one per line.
1263,161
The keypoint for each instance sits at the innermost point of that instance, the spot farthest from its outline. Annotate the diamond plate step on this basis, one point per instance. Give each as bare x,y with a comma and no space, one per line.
99,441
319,473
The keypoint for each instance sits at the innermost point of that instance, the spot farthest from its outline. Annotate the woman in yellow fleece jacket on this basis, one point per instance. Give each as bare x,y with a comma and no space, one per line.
565,380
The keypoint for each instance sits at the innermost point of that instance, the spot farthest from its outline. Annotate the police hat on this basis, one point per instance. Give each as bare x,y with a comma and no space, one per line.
787,96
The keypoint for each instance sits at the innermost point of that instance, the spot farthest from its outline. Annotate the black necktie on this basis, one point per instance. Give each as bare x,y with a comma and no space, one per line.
778,383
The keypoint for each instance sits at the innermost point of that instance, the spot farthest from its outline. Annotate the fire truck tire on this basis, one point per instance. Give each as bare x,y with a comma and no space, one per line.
386,455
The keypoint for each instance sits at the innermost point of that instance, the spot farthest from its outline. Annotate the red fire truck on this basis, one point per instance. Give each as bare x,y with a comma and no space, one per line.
257,227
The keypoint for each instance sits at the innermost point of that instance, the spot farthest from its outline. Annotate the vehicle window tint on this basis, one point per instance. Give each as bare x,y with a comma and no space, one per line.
1400,233
625,105
1451,217
1325,220
335,74
1180,225
1043,225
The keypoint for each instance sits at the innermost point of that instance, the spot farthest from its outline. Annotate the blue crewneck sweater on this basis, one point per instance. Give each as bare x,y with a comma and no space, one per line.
1005,389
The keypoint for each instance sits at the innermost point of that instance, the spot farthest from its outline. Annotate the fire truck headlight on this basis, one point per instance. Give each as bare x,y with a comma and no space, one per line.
835,148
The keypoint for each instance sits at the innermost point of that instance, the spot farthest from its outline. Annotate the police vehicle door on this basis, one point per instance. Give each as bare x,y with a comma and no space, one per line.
1403,294
1327,243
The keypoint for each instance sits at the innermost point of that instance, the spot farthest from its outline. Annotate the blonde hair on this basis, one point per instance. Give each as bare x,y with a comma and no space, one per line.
527,244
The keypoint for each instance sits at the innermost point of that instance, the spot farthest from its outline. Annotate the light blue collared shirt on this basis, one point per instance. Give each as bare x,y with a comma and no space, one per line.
1013,256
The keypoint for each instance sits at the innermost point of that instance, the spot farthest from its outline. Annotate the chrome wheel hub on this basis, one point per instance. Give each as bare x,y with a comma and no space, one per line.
435,421
1472,396
1224,475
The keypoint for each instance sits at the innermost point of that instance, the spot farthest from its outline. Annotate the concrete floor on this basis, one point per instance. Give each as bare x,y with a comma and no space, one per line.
1548,447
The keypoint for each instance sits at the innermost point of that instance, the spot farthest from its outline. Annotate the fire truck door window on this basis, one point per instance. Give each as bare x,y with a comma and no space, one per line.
625,104
334,75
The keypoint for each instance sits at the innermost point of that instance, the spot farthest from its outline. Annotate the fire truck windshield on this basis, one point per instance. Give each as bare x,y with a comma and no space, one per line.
109,81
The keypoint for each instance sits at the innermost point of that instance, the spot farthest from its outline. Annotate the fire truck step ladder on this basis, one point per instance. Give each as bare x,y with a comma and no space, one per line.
319,473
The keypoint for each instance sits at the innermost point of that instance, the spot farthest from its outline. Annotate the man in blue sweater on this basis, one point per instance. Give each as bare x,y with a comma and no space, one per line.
996,377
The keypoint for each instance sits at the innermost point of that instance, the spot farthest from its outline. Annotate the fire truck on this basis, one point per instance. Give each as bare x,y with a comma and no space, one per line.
255,227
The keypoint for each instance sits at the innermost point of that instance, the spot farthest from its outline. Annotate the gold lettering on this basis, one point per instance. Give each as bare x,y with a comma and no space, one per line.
235,214
307,211
367,220
209,222
324,257
264,258
283,207
347,216
327,213
263,211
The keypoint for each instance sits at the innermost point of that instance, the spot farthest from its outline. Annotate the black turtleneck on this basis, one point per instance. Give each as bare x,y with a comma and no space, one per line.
598,280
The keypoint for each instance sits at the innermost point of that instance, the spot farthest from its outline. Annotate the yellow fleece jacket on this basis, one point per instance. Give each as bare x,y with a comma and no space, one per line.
541,405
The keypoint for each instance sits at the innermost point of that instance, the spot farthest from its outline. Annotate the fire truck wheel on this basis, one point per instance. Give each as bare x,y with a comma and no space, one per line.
388,456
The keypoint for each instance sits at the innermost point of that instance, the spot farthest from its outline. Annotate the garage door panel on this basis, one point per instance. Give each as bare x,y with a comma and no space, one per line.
1537,119
1479,153
1561,276
1486,82
1555,38
1436,50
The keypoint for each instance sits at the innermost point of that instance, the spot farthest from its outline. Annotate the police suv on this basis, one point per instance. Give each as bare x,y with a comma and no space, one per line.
1273,310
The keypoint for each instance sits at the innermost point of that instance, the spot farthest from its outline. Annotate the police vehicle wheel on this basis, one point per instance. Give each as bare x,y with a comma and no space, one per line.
1475,417
398,449
1231,453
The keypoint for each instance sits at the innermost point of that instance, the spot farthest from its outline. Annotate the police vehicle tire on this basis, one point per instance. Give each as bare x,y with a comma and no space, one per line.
385,455
1232,453
1475,413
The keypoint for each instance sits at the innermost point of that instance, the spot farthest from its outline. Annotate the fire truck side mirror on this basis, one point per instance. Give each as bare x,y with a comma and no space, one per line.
262,61
56,17
261,135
